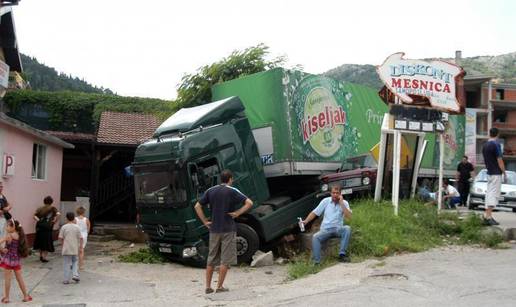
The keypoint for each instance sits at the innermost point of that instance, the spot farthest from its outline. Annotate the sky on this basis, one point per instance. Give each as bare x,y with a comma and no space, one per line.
143,48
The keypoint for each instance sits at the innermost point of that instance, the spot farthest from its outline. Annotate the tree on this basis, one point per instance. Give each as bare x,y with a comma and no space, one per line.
195,89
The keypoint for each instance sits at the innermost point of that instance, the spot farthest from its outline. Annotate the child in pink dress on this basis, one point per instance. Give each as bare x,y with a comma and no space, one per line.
15,248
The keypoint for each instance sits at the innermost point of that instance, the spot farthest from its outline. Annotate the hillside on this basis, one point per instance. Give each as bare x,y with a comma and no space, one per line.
355,73
502,67
44,78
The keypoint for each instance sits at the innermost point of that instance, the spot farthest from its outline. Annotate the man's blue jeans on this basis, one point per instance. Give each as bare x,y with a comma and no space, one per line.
342,232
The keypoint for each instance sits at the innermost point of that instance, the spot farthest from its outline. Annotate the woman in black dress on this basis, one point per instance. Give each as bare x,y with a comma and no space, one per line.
45,217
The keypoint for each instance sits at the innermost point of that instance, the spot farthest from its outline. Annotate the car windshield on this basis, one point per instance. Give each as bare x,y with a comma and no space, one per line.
358,162
510,179
161,183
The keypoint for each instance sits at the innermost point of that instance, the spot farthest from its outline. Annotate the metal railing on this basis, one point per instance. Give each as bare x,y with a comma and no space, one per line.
111,191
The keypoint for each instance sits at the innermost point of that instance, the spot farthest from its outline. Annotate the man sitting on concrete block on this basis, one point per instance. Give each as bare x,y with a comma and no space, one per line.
335,209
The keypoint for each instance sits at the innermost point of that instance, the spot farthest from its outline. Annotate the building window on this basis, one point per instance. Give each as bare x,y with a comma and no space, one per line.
500,93
482,124
39,161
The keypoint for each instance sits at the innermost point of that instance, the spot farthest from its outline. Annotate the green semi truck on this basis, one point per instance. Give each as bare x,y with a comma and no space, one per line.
277,131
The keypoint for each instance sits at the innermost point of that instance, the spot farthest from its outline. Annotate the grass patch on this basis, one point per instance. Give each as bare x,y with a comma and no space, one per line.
302,265
143,255
377,232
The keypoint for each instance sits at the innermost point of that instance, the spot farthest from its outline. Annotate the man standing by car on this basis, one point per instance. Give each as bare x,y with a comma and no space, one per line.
222,246
465,171
492,153
334,208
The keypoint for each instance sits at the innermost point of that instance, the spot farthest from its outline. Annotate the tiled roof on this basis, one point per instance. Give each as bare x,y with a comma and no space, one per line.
126,128
72,136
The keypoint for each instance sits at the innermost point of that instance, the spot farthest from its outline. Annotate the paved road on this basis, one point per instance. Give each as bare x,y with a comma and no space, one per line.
444,277
449,276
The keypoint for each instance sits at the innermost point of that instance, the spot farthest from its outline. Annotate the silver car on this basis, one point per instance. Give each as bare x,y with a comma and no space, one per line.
479,188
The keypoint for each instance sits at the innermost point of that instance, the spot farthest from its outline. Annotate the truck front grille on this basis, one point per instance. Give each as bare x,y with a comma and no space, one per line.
161,232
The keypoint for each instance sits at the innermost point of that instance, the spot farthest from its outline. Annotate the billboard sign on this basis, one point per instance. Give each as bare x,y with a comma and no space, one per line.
422,82
321,108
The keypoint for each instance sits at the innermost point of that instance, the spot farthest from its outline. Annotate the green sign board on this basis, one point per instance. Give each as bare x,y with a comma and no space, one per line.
453,145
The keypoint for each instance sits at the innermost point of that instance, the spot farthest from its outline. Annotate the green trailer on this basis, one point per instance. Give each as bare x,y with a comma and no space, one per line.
306,124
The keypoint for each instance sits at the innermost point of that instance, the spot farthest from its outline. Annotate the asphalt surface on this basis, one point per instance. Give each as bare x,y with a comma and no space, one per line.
448,276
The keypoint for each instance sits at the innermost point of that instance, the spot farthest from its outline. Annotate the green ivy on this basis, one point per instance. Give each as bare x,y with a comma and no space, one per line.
76,111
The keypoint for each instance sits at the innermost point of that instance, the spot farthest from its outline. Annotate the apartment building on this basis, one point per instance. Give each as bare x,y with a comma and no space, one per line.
490,104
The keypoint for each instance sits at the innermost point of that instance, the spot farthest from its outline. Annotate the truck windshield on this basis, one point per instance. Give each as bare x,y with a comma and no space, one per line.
160,184
358,162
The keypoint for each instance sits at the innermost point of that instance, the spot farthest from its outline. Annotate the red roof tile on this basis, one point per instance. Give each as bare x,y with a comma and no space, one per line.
72,136
126,128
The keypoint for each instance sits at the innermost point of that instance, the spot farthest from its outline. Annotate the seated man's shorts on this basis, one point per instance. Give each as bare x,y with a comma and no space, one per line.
222,250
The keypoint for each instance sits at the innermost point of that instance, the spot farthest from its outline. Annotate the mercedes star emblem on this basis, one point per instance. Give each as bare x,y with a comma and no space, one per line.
160,230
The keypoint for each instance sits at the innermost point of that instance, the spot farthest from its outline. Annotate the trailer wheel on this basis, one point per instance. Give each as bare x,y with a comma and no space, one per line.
247,243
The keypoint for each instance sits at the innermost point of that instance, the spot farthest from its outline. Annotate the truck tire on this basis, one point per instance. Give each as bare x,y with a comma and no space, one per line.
247,242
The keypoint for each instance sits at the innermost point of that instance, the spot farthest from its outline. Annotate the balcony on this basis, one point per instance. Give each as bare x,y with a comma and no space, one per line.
509,153
503,105
8,2
505,128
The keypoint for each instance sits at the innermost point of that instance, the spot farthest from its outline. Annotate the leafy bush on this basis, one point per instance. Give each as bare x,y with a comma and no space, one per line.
76,111
143,255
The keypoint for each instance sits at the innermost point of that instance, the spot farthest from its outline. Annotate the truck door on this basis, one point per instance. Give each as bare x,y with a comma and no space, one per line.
204,174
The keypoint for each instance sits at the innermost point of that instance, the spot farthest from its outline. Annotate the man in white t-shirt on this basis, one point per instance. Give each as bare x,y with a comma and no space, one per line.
451,195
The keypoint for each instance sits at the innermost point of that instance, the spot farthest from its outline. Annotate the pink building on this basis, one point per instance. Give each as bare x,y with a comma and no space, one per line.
31,168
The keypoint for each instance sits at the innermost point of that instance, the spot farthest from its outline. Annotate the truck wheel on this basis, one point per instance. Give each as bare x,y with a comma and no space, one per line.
247,243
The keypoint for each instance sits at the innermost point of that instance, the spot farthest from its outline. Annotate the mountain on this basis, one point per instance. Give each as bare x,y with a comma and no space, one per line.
501,67
355,73
44,78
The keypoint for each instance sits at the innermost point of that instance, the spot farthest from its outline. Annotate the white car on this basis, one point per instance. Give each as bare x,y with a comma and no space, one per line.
478,191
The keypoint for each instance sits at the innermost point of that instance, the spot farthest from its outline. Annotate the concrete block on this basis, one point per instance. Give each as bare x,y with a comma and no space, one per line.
326,248
262,259
492,230
509,234
280,261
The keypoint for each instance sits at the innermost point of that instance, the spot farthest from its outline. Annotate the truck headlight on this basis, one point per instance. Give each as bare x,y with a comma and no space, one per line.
366,180
324,187
189,252
512,194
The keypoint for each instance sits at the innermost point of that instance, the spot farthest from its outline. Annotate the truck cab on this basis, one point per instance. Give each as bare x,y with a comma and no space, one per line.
185,157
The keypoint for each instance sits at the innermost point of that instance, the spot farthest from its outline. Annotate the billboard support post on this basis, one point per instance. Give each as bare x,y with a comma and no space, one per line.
381,159
396,166
396,171
421,146
441,164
